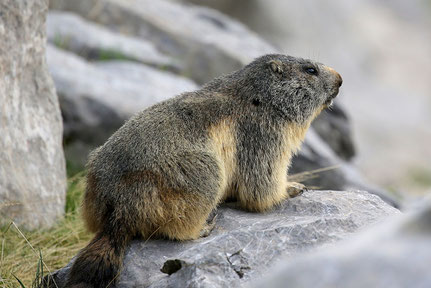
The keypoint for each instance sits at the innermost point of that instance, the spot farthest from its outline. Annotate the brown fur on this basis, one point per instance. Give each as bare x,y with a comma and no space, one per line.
92,222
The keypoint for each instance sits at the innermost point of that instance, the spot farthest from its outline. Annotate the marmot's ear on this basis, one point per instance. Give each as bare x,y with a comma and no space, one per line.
276,66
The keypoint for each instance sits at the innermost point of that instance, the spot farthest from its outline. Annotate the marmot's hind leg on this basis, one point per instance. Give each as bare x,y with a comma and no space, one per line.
183,196
186,218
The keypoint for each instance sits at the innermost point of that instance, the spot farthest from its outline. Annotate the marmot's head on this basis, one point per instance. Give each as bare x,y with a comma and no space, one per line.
296,87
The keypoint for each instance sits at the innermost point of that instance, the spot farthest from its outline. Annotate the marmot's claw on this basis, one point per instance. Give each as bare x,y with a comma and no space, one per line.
295,189
210,225
212,217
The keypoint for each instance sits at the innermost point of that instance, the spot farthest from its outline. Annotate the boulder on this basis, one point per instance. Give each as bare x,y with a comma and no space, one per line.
319,167
333,126
396,253
243,245
92,41
123,86
96,98
207,42
32,166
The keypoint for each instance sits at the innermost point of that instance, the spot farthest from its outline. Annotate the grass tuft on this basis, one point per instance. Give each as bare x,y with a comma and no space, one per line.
26,256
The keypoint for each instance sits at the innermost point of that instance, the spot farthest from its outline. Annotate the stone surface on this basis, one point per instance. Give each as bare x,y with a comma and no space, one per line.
395,254
96,98
207,42
32,170
125,87
92,41
243,245
319,167
334,127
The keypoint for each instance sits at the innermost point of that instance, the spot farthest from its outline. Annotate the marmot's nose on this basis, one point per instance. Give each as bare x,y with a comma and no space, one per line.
339,79
337,76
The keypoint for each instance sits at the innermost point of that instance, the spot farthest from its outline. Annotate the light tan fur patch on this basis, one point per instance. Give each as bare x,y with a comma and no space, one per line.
331,71
293,135
223,139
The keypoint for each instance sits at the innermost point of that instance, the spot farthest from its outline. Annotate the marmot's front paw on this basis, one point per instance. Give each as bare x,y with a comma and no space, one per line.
295,189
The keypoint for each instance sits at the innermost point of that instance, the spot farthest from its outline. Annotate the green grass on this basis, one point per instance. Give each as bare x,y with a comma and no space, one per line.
420,176
63,43
73,169
26,256
108,54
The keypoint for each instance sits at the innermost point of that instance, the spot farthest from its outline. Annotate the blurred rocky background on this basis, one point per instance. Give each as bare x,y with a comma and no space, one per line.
383,51
109,59
112,58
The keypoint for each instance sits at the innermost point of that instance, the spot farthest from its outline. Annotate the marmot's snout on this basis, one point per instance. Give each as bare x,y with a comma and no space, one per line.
337,81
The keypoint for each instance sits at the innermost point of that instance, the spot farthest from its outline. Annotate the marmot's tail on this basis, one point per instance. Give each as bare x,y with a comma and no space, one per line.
99,264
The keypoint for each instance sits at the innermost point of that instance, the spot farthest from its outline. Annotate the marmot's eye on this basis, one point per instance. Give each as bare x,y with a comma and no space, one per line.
311,70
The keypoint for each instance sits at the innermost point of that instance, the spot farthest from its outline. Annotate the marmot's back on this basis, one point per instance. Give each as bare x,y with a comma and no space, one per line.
172,126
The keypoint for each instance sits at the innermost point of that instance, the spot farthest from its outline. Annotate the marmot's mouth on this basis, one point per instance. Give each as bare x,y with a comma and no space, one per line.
329,102
331,98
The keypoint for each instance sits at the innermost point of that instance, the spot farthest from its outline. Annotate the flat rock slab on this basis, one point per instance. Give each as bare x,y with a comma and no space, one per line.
243,245
92,41
97,97
206,41
122,86
395,253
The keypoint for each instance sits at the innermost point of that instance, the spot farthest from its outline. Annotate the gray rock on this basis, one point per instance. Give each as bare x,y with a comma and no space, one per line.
32,169
317,166
243,245
155,85
96,98
92,41
396,253
124,87
208,42
334,127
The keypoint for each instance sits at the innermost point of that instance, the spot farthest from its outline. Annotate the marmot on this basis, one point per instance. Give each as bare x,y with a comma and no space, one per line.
166,169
